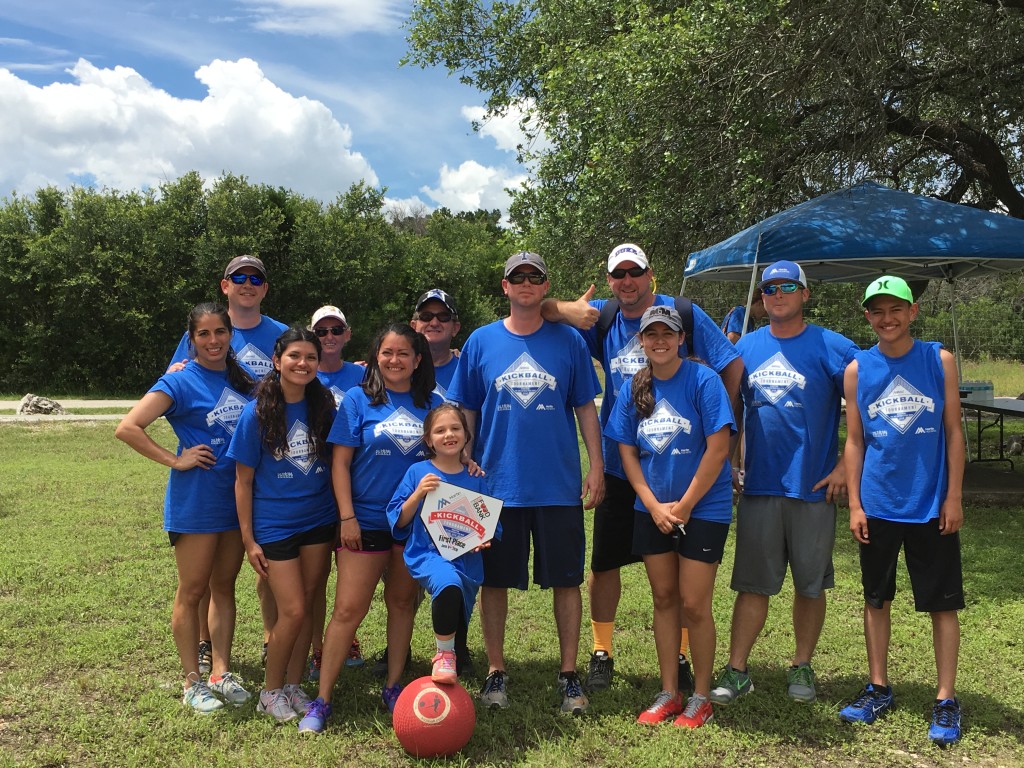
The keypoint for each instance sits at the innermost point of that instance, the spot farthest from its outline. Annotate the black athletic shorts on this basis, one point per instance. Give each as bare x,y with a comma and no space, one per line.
288,549
704,540
613,527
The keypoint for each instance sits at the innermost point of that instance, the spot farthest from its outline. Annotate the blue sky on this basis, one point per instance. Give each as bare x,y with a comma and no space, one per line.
306,94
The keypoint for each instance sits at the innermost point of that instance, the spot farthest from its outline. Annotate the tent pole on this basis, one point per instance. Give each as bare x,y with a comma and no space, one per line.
956,355
750,288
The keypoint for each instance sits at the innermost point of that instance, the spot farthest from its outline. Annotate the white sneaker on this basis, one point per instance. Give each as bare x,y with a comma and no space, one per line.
198,697
275,704
229,689
298,699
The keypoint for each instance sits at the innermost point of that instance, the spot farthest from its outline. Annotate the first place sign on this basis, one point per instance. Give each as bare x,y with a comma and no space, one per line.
459,520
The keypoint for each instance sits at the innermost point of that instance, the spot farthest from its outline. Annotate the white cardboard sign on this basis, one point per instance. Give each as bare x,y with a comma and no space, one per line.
459,520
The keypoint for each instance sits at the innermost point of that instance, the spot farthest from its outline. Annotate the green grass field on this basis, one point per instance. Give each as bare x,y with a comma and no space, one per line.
88,674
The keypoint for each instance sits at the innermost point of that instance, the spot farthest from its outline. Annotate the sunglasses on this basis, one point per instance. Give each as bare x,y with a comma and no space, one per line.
442,317
535,278
334,330
254,279
618,274
771,290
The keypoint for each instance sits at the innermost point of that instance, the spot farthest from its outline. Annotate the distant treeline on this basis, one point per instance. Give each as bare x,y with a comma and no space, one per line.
95,285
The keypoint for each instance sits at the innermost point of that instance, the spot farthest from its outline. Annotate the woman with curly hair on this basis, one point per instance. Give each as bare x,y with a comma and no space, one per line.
202,404
285,508
378,435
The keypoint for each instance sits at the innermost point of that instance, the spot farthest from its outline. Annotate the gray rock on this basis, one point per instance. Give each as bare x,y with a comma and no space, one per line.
32,404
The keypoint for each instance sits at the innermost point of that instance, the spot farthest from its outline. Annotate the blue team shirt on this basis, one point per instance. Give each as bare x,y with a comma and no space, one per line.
673,439
443,375
422,557
733,322
340,381
621,357
791,392
204,411
253,346
525,389
901,401
388,439
290,493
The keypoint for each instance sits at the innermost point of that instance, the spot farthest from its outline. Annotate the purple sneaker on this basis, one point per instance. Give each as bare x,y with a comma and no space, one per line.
315,719
390,695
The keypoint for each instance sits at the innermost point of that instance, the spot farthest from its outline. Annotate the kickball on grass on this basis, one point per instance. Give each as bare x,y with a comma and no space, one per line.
433,720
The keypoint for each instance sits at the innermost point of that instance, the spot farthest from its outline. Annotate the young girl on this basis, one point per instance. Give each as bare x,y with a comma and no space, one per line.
202,404
285,508
377,436
453,584
672,421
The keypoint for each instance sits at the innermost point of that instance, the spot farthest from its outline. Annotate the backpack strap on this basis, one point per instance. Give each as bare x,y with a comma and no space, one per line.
611,308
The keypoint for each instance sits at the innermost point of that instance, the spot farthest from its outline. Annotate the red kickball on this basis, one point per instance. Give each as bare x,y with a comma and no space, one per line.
433,720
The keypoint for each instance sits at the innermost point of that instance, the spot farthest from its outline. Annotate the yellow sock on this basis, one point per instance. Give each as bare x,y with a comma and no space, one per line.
603,635
684,642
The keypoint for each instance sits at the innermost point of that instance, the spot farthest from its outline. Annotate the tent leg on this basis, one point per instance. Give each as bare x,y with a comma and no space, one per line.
959,364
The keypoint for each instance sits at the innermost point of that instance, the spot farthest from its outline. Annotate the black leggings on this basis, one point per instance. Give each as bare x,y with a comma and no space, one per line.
446,612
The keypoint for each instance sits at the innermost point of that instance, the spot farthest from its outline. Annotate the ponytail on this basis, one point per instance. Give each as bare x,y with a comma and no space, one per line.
643,391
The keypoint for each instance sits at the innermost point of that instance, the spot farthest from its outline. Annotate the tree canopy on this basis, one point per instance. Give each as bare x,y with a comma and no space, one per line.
677,123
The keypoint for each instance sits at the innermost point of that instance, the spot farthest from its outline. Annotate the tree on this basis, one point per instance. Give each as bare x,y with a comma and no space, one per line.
675,123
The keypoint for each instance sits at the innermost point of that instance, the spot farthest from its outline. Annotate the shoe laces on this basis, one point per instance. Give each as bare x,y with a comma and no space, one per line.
733,677
318,708
662,699
573,687
495,681
803,675
945,713
693,705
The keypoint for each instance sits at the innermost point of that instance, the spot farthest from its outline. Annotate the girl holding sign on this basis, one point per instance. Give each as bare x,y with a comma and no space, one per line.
378,435
673,421
452,584
285,508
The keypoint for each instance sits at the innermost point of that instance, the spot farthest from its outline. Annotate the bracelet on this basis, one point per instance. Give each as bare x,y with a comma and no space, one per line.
346,519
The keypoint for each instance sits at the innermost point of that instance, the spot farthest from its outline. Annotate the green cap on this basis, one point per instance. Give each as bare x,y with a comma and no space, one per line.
888,285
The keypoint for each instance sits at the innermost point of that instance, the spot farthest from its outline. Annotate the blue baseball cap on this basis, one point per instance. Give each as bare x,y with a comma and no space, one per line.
783,270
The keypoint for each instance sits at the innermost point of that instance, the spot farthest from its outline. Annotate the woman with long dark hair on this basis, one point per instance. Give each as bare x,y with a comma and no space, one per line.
285,508
202,403
377,436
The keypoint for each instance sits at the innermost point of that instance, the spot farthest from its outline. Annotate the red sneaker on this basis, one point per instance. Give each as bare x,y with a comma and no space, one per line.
665,706
698,712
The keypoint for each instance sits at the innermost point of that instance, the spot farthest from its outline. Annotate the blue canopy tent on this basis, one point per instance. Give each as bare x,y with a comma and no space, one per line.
859,233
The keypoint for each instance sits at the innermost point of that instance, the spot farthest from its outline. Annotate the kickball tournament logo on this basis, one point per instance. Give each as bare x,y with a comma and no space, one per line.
459,520
901,404
525,379
227,410
404,429
629,360
775,377
300,450
258,362
662,426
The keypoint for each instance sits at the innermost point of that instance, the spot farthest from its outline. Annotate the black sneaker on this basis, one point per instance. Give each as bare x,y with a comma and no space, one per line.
205,658
464,662
685,681
599,671
380,664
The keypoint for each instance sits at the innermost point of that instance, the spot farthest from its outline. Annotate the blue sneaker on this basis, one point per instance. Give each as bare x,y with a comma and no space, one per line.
869,705
945,727
315,719
390,695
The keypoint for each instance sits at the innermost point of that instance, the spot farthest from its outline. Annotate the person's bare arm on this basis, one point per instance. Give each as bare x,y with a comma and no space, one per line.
578,313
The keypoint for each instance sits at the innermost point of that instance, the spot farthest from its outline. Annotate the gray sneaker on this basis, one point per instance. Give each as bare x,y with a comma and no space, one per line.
599,671
493,695
574,701
730,686
801,683
230,689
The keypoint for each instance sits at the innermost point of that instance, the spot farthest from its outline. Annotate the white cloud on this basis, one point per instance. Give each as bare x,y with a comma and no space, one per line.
113,126
330,18
510,130
472,186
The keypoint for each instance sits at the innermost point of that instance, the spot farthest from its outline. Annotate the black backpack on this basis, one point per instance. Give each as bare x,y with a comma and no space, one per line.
683,306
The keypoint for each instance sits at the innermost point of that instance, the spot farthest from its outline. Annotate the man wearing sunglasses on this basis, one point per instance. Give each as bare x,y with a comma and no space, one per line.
617,348
438,320
791,390
244,286
525,383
